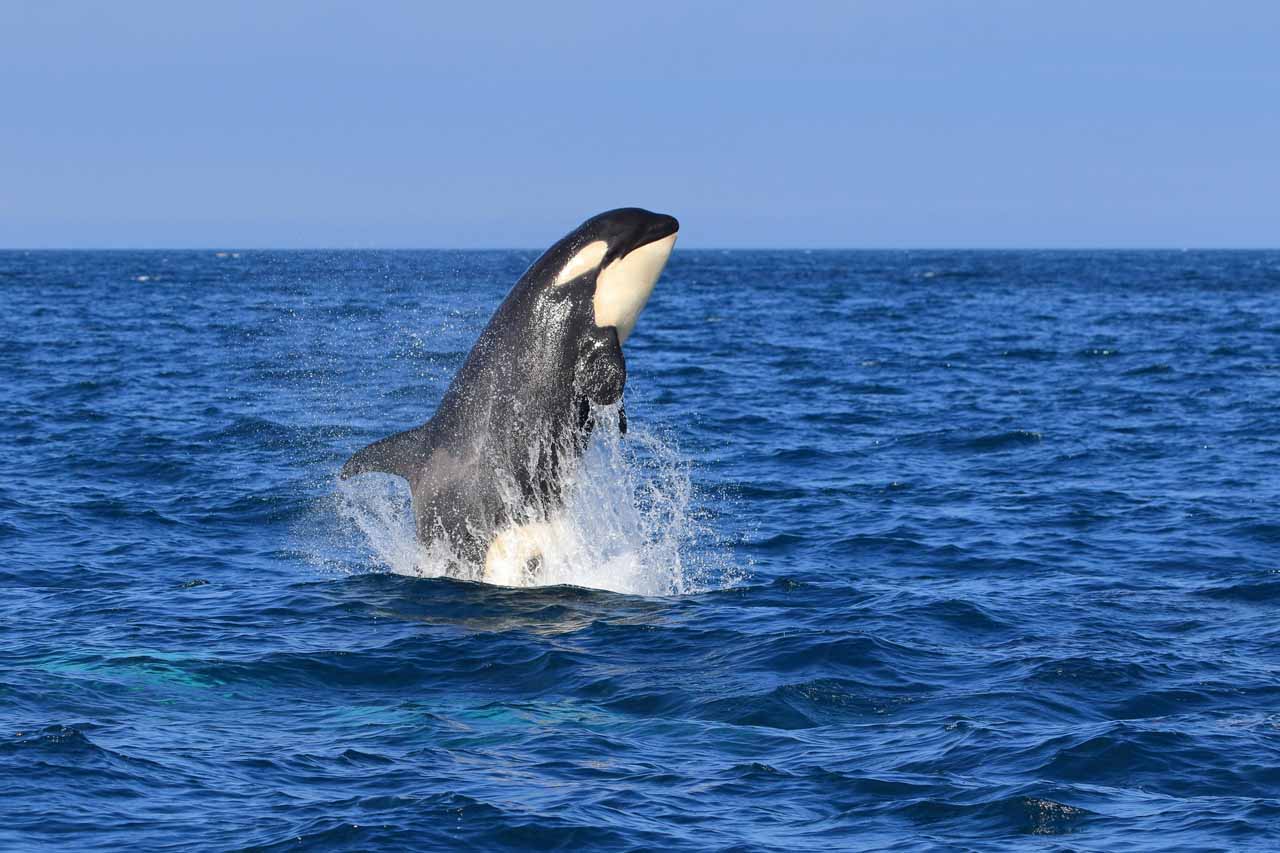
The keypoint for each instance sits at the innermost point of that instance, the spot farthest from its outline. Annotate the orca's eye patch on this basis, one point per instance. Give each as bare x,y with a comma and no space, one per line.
586,259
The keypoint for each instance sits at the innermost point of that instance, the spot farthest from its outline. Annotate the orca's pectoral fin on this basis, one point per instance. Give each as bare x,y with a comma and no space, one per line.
401,454
622,419
599,377
601,372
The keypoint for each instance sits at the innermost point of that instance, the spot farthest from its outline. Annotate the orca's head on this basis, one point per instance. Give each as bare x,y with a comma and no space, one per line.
622,252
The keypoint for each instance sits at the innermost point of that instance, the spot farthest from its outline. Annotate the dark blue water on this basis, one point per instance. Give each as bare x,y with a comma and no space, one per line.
980,547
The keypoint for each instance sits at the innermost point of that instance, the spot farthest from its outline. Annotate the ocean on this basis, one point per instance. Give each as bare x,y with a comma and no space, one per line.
903,550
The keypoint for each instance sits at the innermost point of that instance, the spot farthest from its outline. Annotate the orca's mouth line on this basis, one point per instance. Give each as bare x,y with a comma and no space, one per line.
664,233
656,233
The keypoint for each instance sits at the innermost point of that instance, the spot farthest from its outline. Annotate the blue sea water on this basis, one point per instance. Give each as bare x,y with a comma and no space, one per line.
919,551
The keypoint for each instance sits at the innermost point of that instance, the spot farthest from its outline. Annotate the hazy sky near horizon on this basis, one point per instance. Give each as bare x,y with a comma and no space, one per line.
943,123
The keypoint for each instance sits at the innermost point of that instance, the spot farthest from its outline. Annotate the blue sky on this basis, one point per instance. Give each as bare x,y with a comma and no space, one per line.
807,124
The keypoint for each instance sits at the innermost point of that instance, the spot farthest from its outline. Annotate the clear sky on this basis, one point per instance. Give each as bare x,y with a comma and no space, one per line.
781,123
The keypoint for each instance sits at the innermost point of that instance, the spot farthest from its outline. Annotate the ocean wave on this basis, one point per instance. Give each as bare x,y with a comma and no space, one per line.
974,562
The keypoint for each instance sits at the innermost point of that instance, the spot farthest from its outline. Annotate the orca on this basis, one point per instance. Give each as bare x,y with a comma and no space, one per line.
488,471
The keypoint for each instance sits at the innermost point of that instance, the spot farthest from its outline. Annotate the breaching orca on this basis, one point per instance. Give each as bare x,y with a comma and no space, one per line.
489,467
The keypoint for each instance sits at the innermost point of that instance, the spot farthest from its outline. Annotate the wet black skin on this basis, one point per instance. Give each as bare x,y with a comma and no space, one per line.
518,413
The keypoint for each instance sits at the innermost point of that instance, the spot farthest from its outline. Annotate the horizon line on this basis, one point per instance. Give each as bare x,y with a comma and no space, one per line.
920,248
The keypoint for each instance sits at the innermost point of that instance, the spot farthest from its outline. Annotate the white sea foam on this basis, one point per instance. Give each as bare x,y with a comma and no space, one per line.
631,523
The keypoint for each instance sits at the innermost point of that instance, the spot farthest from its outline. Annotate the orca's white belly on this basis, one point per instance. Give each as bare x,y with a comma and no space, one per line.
515,556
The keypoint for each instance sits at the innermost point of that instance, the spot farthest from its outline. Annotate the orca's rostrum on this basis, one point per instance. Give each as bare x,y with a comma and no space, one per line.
491,464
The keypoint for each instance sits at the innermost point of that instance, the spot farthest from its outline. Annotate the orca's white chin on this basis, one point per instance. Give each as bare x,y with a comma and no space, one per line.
623,287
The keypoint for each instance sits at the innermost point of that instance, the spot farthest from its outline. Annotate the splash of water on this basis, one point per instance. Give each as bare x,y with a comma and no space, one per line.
631,523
